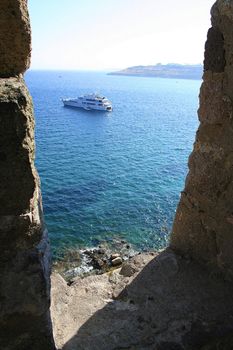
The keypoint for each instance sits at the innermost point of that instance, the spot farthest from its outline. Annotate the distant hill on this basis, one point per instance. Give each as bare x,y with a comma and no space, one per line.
172,70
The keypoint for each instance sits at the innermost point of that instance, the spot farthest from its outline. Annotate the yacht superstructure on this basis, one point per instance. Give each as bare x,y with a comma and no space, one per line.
89,102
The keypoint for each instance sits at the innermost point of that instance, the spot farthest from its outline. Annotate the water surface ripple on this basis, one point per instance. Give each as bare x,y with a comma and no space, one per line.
118,174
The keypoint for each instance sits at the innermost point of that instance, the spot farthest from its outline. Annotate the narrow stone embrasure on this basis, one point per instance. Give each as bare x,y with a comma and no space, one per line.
203,227
25,257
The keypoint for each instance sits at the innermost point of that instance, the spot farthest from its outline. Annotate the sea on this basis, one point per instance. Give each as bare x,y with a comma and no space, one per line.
112,175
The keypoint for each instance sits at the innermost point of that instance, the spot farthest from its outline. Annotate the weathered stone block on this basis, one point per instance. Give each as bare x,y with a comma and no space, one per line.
16,147
214,51
215,106
203,226
15,37
24,294
25,257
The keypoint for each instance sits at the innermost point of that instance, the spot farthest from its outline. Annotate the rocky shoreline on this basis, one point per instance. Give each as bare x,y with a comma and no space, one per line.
93,261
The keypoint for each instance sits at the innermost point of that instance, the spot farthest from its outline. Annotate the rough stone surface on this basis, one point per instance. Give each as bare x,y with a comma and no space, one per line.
203,226
214,51
170,303
117,261
25,322
15,38
16,147
24,259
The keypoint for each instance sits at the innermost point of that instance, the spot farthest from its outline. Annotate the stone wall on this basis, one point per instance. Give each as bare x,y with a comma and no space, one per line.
25,258
15,37
203,226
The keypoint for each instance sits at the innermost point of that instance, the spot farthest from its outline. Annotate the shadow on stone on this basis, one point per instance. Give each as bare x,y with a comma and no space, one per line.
169,303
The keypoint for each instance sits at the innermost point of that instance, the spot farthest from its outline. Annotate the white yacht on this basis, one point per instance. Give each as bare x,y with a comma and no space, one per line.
89,102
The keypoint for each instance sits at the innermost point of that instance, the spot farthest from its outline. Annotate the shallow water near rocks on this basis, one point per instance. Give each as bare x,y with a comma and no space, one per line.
119,174
98,260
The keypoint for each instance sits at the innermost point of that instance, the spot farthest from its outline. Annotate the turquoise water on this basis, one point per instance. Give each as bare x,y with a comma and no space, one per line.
118,174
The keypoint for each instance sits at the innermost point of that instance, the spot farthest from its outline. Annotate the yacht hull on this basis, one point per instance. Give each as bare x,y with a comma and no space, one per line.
89,102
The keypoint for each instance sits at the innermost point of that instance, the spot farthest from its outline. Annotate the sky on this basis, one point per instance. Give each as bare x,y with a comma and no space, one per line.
115,34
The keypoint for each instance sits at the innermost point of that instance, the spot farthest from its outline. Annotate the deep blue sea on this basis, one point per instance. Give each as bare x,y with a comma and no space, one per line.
112,175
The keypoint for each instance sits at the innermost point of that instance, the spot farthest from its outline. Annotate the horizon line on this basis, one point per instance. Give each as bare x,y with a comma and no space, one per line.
111,69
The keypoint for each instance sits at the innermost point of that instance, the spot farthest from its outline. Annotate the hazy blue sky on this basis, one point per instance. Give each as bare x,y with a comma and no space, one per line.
108,34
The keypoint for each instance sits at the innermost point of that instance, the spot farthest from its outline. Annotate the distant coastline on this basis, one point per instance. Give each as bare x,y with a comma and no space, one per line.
172,70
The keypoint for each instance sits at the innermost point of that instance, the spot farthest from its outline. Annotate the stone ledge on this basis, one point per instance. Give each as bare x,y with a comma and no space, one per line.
167,303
